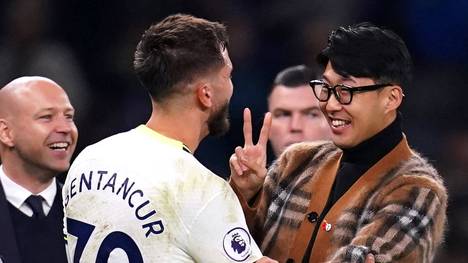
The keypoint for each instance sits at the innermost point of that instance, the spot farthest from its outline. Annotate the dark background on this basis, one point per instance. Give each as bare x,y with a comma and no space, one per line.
87,47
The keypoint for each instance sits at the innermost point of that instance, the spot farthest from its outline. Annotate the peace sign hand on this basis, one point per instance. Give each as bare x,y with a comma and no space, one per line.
248,163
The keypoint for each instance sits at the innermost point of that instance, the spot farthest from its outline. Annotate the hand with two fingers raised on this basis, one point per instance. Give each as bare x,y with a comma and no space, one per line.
248,163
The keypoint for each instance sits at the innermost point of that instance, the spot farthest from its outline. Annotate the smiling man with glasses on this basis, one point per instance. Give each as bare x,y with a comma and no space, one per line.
365,194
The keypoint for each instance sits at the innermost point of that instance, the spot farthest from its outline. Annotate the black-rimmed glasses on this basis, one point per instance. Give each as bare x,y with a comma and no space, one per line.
343,93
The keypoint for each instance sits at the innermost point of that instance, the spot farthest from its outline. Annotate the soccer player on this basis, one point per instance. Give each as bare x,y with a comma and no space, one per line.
141,196
367,194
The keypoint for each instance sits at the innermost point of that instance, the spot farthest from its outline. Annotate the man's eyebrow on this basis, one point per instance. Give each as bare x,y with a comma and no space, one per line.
312,108
281,109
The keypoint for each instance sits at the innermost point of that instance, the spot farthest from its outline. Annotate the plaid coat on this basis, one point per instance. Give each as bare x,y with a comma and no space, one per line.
396,210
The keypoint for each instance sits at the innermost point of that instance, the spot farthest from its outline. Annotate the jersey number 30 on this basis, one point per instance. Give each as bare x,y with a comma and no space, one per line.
82,231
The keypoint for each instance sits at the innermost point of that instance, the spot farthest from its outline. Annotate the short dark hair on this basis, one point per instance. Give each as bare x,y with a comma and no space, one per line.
176,50
294,76
365,50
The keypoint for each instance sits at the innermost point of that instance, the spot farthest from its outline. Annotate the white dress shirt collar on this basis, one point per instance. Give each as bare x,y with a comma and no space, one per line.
16,194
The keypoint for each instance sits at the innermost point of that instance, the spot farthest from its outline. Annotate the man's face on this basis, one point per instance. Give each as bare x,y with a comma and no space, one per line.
44,133
296,117
354,123
218,122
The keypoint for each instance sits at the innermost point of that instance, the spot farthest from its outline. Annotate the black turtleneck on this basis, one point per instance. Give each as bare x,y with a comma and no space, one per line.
357,160
354,163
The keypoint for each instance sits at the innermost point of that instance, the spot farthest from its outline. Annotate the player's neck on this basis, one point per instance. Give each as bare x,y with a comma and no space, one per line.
184,126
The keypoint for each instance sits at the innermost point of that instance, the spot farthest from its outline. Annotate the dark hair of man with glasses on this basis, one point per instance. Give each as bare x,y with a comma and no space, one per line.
365,195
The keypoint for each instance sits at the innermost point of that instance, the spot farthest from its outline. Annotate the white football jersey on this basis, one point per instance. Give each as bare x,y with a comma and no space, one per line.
139,196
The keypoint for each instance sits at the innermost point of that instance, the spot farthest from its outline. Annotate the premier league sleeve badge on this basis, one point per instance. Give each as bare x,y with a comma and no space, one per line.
236,244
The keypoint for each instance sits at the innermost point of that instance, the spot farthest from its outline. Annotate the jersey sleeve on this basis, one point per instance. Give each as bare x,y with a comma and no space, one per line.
219,232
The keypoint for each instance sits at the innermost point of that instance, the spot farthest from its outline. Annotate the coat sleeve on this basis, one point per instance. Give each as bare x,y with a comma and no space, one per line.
405,224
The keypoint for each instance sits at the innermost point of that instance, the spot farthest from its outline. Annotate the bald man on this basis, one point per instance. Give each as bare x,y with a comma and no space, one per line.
37,139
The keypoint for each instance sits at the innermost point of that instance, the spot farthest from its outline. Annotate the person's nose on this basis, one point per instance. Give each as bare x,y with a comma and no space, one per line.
296,123
64,125
333,105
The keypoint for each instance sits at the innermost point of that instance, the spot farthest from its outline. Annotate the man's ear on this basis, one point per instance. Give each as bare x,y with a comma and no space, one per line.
6,134
394,97
205,95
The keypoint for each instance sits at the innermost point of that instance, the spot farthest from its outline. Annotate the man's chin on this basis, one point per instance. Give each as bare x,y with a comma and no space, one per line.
343,144
59,167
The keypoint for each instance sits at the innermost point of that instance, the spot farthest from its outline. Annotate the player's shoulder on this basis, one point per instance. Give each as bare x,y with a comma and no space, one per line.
197,173
125,144
109,148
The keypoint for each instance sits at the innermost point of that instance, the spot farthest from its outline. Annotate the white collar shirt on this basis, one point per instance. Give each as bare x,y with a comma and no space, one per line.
16,194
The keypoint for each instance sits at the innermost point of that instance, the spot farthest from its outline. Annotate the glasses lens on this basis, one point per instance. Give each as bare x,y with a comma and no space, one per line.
321,91
344,94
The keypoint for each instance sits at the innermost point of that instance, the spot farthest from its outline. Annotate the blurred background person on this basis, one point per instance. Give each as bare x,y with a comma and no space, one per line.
295,110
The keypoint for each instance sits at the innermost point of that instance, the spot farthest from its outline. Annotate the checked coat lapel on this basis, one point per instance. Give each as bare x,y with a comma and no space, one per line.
355,196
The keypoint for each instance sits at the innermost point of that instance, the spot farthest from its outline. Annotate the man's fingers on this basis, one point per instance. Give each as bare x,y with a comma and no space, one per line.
241,158
265,131
247,127
247,163
234,163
